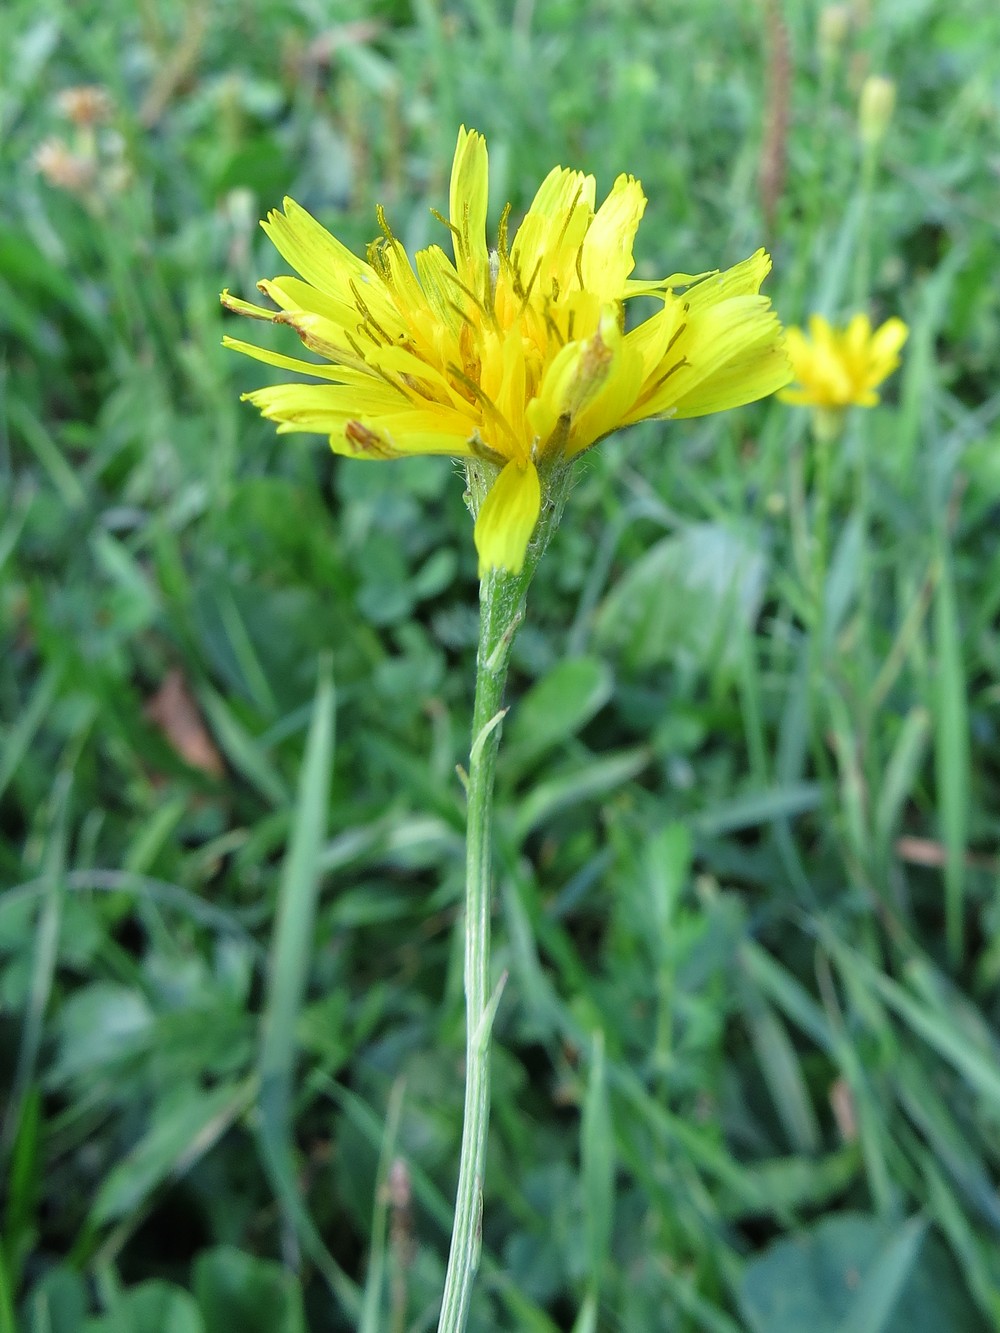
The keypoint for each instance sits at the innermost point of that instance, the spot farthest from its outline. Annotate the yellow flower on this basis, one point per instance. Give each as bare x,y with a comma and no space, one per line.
517,357
838,368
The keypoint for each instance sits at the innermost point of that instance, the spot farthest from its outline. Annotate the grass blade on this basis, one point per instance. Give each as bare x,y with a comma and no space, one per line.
44,963
597,1151
952,755
371,1310
20,736
291,954
291,946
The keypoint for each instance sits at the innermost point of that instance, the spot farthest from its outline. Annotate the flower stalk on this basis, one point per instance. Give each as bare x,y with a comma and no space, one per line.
516,360
501,609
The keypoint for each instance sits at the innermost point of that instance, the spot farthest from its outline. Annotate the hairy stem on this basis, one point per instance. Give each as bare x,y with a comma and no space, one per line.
501,607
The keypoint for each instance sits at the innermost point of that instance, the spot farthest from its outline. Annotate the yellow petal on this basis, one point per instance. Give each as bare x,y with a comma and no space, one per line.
239,307
744,380
820,330
293,294
858,334
507,519
587,389
439,431
390,261
742,279
654,336
548,241
561,189
509,394
323,407
726,355
468,204
797,347
546,407
321,371
312,251
402,436
325,338
329,266
887,340
609,407
658,288
736,355
607,250
442,287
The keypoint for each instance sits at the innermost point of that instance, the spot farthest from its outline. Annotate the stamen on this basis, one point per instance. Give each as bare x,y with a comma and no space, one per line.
239,307
661,381
554,329
331,351
372,334
453,277
483,399
450,225
502,249
367,441
387,378
568,218
375,254
366,315
461,313
379,372
426,392
676,334
384,226
482,450
527,292
356,348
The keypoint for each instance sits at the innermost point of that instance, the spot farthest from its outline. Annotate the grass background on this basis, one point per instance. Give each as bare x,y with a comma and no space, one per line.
747,1071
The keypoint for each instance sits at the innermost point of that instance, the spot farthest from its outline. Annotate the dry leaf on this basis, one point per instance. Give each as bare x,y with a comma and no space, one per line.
842,1105
926,852
174,711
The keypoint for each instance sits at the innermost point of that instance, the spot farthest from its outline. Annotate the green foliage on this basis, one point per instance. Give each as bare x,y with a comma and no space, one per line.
745,1072
853,1272
231,1289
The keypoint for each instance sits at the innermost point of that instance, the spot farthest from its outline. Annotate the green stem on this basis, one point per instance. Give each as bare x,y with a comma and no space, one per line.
501,607
466,1236
823,442
825,433
863,251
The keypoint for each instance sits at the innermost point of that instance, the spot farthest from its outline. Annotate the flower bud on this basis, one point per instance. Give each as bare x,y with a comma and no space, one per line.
834,24
878,100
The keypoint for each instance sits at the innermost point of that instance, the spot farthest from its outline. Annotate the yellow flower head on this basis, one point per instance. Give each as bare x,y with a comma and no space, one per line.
517,357
837,368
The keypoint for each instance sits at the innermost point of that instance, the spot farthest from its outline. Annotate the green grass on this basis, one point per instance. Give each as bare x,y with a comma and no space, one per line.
745,1073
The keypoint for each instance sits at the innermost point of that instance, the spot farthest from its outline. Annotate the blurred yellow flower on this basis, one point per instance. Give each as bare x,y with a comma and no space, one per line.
519,357
837,368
